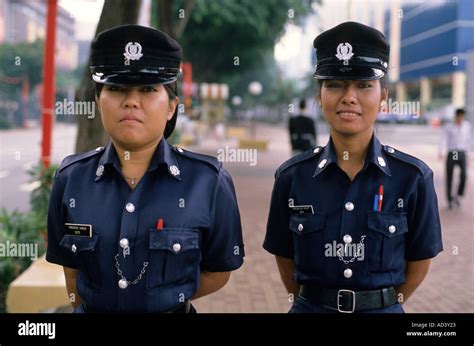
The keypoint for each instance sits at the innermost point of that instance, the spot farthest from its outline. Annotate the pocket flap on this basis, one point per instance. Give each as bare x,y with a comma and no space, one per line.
78,244
388,224
175,240
304,224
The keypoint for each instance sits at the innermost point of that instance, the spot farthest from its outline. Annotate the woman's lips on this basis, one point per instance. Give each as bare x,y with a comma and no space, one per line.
130,119
348,115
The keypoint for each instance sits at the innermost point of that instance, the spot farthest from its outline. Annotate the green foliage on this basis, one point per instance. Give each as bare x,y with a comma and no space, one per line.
220,32
22,59
25,228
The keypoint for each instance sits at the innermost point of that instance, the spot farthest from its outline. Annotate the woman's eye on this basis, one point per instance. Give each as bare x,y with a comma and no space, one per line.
364,85
333,85
114,88
149,89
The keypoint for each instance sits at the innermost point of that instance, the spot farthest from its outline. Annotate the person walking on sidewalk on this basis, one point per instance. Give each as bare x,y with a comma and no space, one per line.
354,224
456,142
302,131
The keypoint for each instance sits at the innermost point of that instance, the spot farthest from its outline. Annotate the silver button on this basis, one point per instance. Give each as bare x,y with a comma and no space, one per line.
322,163
347,273
316,150
390,150
124,243
176,247
349,206
74,248
99,148
300,227
123,284
392,228
347,239
180,150
130,207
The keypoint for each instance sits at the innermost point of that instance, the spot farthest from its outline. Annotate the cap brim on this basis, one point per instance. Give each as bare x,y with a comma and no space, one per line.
348,72
133,79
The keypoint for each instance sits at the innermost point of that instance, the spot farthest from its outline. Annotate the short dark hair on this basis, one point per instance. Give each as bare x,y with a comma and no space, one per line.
383,82
171,89
460,112
302,104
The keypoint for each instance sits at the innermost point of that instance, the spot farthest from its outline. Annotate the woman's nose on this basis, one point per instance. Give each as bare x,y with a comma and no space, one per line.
132,99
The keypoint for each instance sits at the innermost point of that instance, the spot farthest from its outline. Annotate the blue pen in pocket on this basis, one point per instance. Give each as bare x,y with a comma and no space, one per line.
376,202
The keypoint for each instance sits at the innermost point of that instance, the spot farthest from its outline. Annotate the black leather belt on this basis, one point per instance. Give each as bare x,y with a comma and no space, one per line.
183,308
349,301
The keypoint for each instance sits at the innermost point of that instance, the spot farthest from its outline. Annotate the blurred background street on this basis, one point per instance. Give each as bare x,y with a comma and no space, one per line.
246,67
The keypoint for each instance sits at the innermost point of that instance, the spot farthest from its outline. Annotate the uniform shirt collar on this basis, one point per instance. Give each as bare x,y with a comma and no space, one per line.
163,156
375,156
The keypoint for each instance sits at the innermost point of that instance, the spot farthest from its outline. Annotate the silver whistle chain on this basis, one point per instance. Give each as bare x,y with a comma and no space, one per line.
339,252
120,273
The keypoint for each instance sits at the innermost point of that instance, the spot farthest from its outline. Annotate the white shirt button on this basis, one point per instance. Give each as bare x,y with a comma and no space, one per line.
348,273
124,243
349,206
180,150
74,248
390,150
130,207
347,239
123,284
176,247
392,228
322,163
300,227
316,150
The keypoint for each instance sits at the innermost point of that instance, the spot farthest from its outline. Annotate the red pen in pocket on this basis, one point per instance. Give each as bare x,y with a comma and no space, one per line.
380,198
160,224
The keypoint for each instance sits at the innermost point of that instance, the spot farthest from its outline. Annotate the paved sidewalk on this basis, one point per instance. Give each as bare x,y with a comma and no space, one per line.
256,287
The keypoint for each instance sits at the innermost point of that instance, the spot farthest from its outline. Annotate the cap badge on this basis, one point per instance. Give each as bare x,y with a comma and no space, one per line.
344,52
133,51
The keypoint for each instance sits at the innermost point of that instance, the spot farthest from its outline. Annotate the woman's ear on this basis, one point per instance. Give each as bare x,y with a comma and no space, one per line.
97,103
172,107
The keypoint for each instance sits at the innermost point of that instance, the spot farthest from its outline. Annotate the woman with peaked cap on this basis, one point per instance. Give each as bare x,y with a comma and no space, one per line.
353,225
140,225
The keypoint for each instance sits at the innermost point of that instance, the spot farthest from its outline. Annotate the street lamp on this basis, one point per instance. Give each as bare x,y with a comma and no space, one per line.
255,88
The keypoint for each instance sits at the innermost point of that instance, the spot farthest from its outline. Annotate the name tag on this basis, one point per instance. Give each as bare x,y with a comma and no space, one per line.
78,229
301,209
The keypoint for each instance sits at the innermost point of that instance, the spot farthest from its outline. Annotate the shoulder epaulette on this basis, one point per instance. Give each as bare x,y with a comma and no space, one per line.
299,158
71,159
211,160
422,167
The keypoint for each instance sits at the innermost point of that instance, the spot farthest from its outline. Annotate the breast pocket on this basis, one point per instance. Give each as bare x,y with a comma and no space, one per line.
84,253
174,256
385,244
308,240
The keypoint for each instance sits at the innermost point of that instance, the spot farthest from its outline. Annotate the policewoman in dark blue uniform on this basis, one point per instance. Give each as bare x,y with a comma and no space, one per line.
140,225
354,224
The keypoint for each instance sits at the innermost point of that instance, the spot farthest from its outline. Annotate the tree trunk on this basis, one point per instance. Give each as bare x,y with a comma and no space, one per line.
90,131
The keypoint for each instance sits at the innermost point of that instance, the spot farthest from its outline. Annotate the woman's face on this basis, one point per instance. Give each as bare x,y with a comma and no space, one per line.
350,106
135,116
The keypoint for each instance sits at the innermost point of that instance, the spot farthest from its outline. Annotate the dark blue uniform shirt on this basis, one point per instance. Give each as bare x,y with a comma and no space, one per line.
316,210
200,230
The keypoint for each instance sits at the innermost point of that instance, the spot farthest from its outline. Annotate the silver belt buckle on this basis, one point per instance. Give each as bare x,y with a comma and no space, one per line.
339,295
